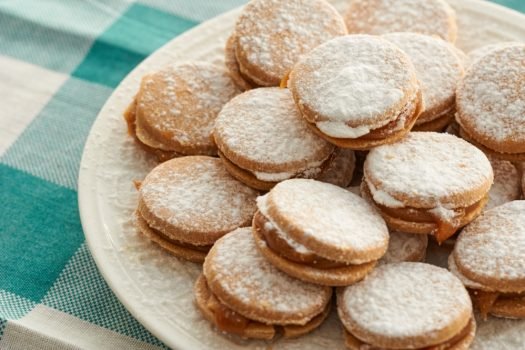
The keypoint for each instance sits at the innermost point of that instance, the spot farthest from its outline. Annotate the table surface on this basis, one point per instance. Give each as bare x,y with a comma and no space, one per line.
59,62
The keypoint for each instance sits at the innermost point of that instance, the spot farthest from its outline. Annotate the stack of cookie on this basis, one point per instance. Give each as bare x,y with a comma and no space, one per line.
258,157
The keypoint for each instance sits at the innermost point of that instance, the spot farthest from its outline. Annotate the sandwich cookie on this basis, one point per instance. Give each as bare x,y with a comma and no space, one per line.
405,247
507,183
430,17
247,296
230,60
270,35
407,305
428,183
491,103
439,69
186,204
174,111
357,91
263,140
489,257
318,232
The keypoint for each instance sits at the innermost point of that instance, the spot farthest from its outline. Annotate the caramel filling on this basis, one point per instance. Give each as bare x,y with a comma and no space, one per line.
201,248
232,322
226,319
486,302
131,118
445,229
280,246
355,343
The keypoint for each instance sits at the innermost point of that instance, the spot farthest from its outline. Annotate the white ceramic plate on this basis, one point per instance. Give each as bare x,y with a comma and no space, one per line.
157,288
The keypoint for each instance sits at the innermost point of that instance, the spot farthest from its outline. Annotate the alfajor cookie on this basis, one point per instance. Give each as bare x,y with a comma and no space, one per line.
318,232
428,183
247,296
405,247
407,305
186,204
175,108
439,70
271,35
491,103
507,183
230,60
489,258
263,139
357,91
430,17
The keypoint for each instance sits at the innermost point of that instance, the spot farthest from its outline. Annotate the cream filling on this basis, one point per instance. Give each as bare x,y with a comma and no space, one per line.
340,129
269,225
445,214
383,197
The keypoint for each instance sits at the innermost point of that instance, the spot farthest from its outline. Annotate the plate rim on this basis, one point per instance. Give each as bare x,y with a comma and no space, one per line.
93,228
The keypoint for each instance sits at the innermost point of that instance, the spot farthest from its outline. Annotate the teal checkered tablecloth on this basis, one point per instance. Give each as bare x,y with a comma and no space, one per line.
59,61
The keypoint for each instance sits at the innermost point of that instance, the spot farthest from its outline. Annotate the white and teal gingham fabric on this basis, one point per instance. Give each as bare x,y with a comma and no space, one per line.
59,62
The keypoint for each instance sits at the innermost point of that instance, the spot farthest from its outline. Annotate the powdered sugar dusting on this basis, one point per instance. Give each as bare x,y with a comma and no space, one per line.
426,168
493,245
273,34
480,52
264,126
465,280
432,297
262,206
356,80
491,98
506,187
438,69
329,214
243,272
182,101
431,17
197,194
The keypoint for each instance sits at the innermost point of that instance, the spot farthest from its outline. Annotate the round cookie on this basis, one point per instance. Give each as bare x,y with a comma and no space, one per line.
318,232
507,184
250,298
263,140
430,17
340,171
405,247
489,257
439,70
233,67
428,183
175,109
407,305
491,103
271,35
186,204
357,91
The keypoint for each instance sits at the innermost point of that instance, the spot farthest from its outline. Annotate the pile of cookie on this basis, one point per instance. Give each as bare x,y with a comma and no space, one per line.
317,158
